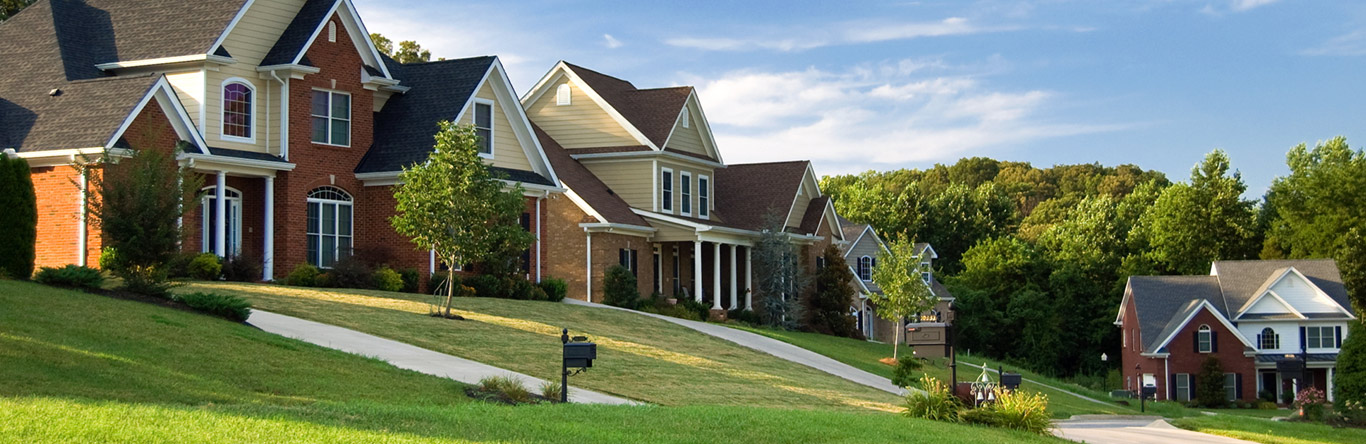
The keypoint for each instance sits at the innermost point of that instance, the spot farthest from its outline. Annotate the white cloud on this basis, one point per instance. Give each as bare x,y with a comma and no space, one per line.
1247,5
611,42
879,116
839,34
1349,44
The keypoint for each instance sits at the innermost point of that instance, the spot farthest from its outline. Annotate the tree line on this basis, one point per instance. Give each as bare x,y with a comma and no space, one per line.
1044,253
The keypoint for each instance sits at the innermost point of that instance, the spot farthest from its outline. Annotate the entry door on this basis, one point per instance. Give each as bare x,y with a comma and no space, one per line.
233,205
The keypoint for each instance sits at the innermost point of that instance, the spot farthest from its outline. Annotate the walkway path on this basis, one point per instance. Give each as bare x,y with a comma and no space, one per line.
403,355
1104,429
1031,381
774,347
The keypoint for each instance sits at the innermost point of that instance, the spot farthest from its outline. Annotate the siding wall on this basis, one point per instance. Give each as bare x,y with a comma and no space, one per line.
867,246
694,172
248,43
189,87
688,139
632,180
1302,296
507,150
581,124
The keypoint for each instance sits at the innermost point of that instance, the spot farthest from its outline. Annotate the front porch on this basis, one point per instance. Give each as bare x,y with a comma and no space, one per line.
1318,373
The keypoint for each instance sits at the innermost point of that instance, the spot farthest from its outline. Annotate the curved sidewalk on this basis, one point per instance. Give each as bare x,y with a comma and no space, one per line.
1102,429
404,355
774,347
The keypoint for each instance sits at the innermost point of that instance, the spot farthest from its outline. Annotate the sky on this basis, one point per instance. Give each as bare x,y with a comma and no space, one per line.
856,85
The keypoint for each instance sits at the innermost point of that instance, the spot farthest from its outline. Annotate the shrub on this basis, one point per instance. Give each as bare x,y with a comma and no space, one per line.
484,285
410,279
1267,395
109,258
620,288
70,276
700,310
147,280
555,289
1209,391
522,289
1312,402
205,267
1017,410
551,391
19,218
744,316
350,272
387,279
303,275
508,387
676,311
226,306
1349,379
827,309
437,281
1267,405
325,280
242,268
936,402
906,370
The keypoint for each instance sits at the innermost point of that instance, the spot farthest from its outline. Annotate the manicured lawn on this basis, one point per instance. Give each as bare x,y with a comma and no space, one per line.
638,357
1271,432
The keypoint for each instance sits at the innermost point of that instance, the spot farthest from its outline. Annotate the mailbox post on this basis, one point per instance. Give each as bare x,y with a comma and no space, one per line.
579,354
1143,395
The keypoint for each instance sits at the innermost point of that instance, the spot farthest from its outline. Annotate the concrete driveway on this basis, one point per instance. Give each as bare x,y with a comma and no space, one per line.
1103,429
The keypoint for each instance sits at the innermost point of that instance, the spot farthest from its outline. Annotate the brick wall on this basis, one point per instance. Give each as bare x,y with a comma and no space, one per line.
253,216
566,245
1184,358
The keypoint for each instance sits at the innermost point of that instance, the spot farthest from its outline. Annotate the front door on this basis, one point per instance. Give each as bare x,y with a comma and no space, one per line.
233,222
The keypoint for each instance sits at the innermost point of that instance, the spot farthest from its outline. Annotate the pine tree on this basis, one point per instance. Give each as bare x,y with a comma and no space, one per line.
779,279
19,219
827,311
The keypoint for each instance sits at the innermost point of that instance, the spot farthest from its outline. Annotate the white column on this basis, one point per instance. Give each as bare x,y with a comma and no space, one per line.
749,279
697,270
716,276
268,233
734,277
588,268
1330,384
220,220
539,258
82,201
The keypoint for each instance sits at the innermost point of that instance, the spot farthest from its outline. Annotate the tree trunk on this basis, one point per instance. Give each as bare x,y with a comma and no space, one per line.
896,338
450,291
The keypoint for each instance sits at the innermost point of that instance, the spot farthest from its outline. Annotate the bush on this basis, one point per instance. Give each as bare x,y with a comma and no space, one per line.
936,402
744,316
1017,410
484,285
827,309
437,281
555,289
1267,396
70,276
146,280
906,370
109,258
511,389
677,311
1209,391
410,279
1312,402
18,238
699,310
350,272
226,306
1349,379
242,268
551,391
387,279
303,275
205,267
620,288
1266,405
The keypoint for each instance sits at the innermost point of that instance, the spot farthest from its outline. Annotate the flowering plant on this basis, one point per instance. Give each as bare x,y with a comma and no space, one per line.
1311,403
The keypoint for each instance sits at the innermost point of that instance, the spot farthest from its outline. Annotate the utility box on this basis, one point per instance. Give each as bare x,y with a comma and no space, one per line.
580,354
1011,381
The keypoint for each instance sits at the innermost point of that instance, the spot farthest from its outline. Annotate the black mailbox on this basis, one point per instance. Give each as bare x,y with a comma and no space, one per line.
580,354
1149,391
1010,381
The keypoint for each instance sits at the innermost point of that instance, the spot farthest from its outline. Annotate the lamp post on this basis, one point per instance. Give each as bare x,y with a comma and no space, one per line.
1142,397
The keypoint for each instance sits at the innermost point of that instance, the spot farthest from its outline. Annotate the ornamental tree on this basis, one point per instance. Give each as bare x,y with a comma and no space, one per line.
778,278
455,206
827,311
20,218
904,293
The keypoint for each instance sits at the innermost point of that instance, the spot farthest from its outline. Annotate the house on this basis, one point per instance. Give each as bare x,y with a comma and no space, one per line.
644,176
297,123
928,332
1250,315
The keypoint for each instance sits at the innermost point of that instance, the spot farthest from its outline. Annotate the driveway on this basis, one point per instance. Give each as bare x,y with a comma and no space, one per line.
1102,429
403,355
774,347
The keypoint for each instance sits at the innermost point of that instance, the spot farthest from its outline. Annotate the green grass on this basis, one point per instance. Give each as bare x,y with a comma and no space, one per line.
1271,432
638,357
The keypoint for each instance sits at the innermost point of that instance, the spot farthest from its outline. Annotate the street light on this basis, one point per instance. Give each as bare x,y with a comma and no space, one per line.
1104,358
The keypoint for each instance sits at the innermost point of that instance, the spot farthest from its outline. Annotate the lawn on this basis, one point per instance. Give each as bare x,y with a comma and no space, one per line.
638,357
1271,432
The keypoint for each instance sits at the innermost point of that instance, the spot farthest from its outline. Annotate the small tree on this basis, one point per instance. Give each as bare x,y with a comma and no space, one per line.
904,293
455,206
779,278
620,288
1349,379
1209,386
827,311
19,217
140,201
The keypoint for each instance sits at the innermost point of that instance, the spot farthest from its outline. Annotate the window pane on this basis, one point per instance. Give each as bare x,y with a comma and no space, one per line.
313,217
341,106
483,115
343,247
485,139
1313,337
341,132
329,251
329,219
319,107
344,220
320,129
313,249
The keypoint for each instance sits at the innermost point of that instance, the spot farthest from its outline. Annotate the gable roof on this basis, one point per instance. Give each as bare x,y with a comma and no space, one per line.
438,91
815,211
1159,300
584,184
1241,281
652,111
746,193
307,24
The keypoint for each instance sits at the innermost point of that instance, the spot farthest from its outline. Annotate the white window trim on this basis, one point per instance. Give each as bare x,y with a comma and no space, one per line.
1331,335
207,243
1262,339
860,268
351,203
685,199
666,191
1205,329
703,211
563,95
351,111
223,114
331,32
1182,391
493,117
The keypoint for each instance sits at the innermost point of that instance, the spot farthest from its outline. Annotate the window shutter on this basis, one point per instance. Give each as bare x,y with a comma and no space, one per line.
621,257
1259,340
1171,388
634,269
874,264
1238,385
1213,341
1302,338
1337,337
1190,387
1195,340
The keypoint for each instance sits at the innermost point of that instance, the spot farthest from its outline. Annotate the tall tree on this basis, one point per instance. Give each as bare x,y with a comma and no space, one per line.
827,309
1323,197
19,217
779,280
1192,225
904,293
995,273
10,7
408,51
455,206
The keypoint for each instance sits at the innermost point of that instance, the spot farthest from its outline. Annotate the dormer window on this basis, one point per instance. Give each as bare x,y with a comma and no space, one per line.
703,197
1204,339
562,95
686,120
238,110
865,268
483,126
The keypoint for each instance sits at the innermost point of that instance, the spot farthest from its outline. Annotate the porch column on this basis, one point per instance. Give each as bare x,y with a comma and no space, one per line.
733,278
220,220
716,276
1330,384
268,233
697,270
749,279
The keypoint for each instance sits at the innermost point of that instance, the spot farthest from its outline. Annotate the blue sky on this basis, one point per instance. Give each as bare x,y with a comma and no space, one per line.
882,85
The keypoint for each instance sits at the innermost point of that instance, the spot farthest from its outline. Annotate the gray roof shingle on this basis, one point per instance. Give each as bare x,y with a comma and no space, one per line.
1160,299
296,35
1240,280
405,128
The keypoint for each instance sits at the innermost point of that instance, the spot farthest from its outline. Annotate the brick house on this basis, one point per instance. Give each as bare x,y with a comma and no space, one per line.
297,123
1250,315
928,332
647,188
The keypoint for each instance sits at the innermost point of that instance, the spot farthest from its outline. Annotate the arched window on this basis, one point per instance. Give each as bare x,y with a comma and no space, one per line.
239,110
687,120
329,226
208,209
562,95
1268,339
865,268
1204,339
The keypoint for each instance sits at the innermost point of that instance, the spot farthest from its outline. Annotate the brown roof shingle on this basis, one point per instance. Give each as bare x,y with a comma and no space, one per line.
652,111
747,193
586,185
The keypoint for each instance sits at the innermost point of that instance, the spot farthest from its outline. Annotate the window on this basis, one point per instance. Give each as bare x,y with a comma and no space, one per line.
865,268
925,276
1231,386
209,226
332,32
1204,339
1268,339
820,262
685,205
1321,337
483,126
686,119
666,190
238,110
329,226
1183,387
627,259
678,281
703,196
331,112
562,95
